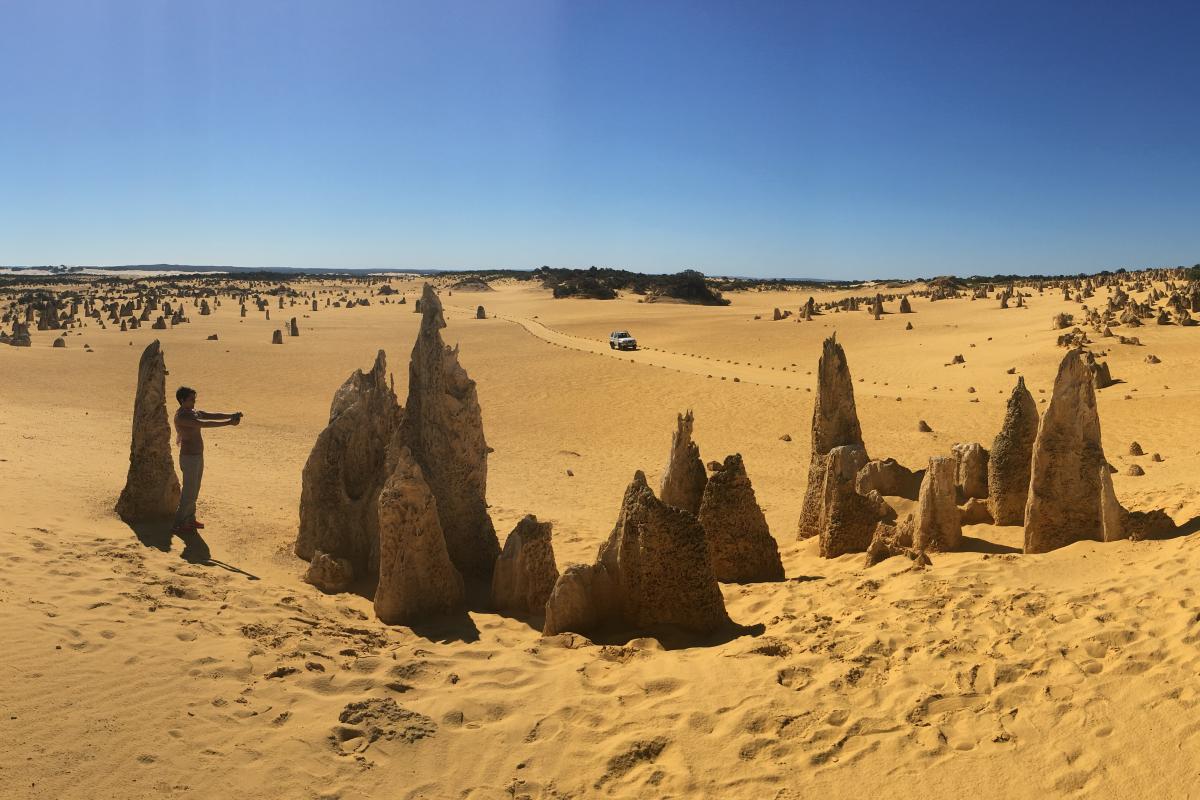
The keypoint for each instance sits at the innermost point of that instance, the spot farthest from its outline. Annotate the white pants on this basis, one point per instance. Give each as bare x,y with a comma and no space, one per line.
192,467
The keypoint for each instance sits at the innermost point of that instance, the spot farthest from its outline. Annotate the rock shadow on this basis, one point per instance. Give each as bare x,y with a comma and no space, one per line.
672,638
973,544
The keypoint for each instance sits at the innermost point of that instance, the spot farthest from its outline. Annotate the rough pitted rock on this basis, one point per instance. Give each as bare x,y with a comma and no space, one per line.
937,524
1070,489
971,470
417,580
652,571
740,546
889,540
151,487
1011,458
443,427
525,571
480,313
684,478
889,478
834,424
847,518
339,511
329,573
277,337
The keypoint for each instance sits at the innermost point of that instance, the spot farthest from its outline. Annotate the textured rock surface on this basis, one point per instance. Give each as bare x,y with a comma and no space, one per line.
937,524
347,467
329,574
525,571
1070,490
1011,458
151,487
834,424
652,571
970,470
848,518
684,478
416,577
740,546
443,427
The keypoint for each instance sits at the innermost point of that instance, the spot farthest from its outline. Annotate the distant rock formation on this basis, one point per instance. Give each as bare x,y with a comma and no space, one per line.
277,337
1011,458
293,328
684,478
653,571
937,519
443,427
740,546
151,487
416,578
480,313
525,571
1070,490
834,424
339,511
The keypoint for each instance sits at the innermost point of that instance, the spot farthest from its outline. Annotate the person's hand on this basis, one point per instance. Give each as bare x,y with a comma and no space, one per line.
237,418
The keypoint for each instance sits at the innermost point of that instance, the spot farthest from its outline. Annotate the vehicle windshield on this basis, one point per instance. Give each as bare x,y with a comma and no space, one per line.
622,335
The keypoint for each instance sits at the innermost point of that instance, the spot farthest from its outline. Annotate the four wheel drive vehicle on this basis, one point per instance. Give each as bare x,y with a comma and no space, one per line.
621,340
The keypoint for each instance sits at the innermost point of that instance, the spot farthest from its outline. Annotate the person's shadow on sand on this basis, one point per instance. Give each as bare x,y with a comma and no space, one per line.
157,534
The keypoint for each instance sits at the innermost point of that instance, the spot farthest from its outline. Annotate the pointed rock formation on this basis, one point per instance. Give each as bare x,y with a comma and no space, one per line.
339,509
151,487
443,427
525,572
1070,490
416,578
740,546
970,470
847,518
1011,458
684,478
937,521
653,571
905,306
835,424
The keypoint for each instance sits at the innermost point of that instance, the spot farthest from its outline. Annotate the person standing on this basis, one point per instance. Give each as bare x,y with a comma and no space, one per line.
189,421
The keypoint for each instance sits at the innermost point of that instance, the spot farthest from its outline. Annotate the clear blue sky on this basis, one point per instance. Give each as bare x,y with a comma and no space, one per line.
838,139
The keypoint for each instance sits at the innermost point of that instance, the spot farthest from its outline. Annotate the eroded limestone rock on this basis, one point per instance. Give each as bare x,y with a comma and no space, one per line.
684,478
1011,458
1070,490
151,487
443,427
740,546
525,571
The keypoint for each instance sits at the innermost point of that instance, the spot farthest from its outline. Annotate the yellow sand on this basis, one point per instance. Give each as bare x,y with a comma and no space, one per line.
127,672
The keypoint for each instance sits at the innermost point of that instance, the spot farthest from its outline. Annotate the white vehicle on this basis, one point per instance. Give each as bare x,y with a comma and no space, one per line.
621,340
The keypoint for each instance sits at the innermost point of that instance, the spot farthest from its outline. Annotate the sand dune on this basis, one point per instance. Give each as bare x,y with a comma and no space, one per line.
131,672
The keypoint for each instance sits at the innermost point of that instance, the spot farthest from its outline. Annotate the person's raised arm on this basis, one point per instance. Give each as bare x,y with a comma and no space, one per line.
212,415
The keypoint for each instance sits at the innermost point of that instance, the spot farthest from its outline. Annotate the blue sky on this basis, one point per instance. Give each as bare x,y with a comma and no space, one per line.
841,139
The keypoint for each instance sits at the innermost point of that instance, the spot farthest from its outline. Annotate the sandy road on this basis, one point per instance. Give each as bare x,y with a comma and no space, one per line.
704,366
